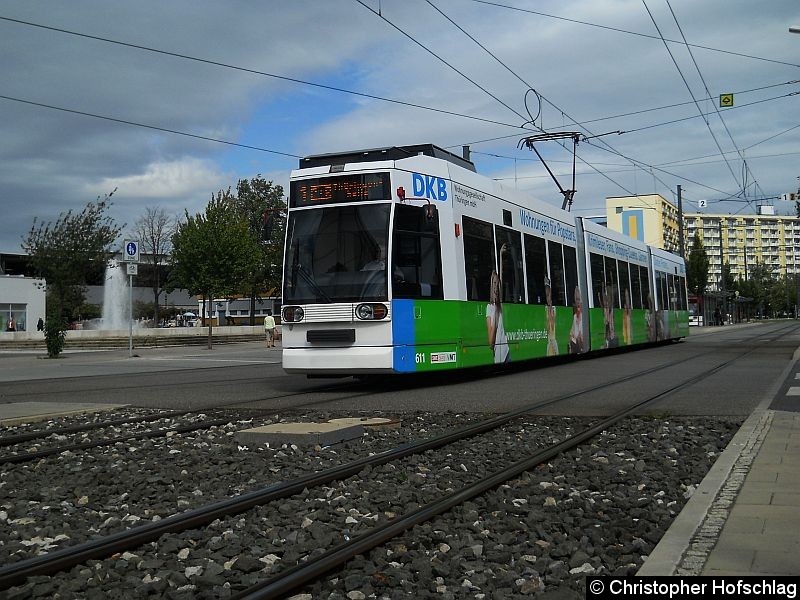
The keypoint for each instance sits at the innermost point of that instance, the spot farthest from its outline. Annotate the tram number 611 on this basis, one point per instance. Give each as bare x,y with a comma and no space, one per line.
419,358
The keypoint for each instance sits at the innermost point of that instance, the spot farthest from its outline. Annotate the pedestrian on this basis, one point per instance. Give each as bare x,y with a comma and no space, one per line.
269,330
40,325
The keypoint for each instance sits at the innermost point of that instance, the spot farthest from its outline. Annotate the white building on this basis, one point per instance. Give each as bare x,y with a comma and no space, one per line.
23,300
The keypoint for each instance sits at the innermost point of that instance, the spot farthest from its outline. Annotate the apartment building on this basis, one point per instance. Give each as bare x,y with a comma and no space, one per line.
742,240
739,240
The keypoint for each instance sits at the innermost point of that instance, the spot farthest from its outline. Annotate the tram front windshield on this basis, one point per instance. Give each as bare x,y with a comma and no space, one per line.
337,254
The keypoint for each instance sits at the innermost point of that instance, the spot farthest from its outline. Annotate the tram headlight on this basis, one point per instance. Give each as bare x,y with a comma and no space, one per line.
293,314
371,312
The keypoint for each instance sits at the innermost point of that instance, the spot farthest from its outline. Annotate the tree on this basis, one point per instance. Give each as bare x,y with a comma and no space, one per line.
728,278
213,253
697,267
760,280
780,296
67,254
261,203
154,231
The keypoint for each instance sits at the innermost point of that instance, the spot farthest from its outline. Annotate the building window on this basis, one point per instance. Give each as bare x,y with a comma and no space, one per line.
13,317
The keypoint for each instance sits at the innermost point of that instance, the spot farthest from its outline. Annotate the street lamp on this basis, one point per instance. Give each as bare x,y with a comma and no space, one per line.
794,29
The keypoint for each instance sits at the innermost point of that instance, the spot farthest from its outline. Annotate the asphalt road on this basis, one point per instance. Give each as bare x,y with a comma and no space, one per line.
249,375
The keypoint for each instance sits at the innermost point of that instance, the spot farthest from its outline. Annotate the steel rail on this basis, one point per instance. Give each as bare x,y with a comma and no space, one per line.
66,558
314,568
11,440
22,457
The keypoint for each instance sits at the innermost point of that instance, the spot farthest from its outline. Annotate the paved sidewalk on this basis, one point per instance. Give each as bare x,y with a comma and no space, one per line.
744,518
762,533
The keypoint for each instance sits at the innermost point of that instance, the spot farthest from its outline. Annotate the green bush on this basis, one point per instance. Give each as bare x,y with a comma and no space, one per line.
55,333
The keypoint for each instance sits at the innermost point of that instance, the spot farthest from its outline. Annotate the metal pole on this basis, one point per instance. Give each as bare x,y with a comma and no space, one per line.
722,272
130,316
680,225
745,256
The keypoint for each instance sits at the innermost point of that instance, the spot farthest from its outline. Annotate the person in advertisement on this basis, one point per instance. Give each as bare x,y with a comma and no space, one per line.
576,332
550,314
498,341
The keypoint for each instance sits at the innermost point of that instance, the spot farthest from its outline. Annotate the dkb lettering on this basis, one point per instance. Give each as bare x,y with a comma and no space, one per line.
427,186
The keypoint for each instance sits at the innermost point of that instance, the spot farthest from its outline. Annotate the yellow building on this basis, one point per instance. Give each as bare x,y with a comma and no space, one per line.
650,218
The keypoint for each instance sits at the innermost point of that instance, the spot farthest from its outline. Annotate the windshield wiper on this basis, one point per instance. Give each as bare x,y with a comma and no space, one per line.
298,268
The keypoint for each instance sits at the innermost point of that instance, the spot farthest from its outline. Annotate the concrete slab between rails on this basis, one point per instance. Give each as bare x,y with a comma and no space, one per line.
15,413
301,434
703,538
368,422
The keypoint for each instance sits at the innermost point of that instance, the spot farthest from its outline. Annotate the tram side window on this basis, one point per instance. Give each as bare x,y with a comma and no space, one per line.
557,273
661,289
571,273
677,290
682,293
597,266
647,298
417,260
672,292
510,262
611,293
536,267
478,258
625,284
636,287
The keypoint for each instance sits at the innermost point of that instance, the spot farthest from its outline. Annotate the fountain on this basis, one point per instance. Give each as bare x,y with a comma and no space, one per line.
116,311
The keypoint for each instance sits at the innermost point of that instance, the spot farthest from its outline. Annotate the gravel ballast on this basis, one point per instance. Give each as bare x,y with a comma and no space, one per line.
598,509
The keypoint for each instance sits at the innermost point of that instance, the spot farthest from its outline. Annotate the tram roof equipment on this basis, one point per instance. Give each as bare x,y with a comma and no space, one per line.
386,153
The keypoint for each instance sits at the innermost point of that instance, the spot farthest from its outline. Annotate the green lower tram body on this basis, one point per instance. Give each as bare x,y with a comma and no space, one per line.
447,334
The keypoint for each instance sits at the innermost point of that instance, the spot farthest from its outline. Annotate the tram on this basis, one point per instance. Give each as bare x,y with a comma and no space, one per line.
405,260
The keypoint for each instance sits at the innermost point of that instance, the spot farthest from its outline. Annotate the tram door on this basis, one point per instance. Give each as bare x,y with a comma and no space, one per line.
416,254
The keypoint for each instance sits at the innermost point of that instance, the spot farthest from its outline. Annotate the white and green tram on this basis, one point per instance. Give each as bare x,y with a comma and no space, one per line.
404,259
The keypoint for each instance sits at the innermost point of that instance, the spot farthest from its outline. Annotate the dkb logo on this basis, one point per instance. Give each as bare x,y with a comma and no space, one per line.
426,186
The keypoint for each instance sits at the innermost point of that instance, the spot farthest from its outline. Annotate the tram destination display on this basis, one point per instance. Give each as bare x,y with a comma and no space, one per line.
338,189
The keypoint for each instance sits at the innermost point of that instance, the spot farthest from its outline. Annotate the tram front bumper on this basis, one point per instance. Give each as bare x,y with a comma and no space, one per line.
338,361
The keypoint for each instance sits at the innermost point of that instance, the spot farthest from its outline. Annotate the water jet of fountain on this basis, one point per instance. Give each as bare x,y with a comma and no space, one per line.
116,311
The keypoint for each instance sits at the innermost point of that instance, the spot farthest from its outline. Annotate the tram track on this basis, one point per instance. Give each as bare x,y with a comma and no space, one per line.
161,432
65,558
313,568
30,436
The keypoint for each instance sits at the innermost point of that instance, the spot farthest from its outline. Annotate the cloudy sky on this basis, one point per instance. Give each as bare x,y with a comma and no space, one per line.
83,111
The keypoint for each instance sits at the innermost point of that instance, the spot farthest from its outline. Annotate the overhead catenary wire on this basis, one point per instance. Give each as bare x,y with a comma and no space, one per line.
633,33
147,126
439,58
661,37
707,98
691,93
705,114
299,81
221,64
745,166
542,97
643,165
528,85
668,122
256,72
